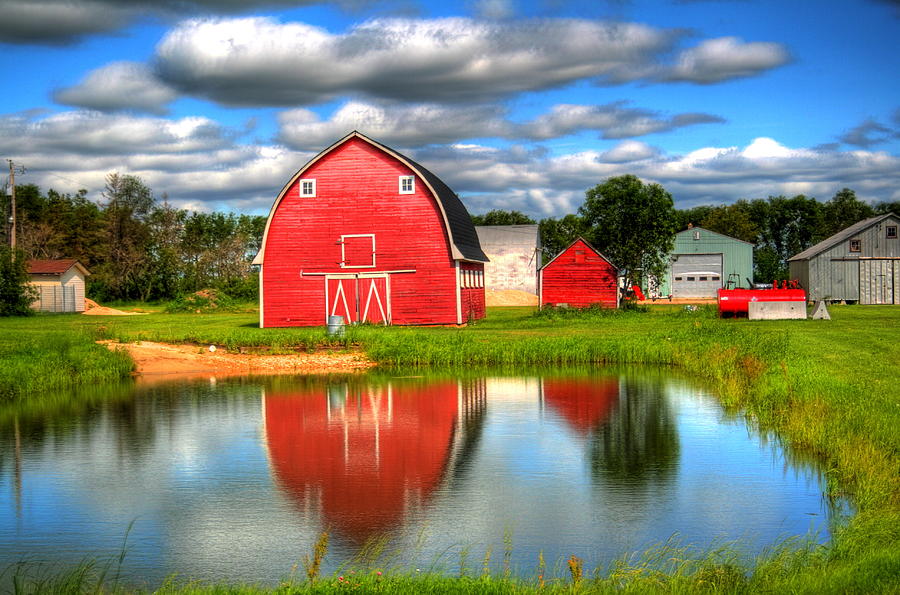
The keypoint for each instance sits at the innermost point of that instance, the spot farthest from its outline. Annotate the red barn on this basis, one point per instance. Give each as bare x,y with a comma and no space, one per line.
365,233
579,276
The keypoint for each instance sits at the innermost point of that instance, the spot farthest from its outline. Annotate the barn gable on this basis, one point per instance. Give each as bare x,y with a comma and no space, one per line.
461,231
364,233
579,276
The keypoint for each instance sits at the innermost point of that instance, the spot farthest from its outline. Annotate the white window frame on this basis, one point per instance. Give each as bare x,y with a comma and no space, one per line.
303,183
412,184
344,265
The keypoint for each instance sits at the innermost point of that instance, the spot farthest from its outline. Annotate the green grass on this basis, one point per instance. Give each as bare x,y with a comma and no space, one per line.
827,389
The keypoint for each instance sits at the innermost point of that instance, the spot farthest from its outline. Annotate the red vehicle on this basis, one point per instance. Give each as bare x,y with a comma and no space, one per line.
736,302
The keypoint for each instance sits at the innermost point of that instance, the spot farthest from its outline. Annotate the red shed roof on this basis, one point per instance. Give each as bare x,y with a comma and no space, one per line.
54,267
569,247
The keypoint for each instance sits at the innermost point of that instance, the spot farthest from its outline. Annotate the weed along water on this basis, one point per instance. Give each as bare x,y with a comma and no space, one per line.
237,480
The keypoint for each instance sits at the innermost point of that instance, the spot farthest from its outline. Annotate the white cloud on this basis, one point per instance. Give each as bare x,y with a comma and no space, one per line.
717,60
416,125
119,86
198,163
58,21
392,124
62,22
613,121
259,61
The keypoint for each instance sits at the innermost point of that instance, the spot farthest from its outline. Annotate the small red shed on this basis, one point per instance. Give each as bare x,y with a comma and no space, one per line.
579,276
366,233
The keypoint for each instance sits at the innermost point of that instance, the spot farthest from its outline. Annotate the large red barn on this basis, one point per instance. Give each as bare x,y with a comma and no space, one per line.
578,277
366,233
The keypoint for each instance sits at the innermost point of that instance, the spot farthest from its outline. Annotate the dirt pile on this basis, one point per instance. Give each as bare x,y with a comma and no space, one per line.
92,308
509,297
163,361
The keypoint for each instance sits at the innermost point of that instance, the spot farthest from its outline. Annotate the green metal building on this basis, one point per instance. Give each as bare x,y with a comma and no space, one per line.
702,261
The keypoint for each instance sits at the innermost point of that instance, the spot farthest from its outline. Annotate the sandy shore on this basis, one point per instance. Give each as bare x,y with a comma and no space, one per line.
164,361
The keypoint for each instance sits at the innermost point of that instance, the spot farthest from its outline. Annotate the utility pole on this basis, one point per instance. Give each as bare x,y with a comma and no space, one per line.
12,186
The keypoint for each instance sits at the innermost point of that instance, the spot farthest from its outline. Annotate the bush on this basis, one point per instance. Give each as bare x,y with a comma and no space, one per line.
16,294
205,301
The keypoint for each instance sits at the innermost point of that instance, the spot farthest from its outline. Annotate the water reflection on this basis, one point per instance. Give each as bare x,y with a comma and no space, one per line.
363,455
234,480
639,443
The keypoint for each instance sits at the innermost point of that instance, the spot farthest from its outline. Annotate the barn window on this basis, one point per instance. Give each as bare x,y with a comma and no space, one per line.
855,245
714,278
691,279
703,278
307,187
696,234
407,185
890,232
358,251
579,256
678,278
480,278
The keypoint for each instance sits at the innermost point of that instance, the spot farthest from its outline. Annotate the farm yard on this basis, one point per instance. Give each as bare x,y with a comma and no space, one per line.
826,389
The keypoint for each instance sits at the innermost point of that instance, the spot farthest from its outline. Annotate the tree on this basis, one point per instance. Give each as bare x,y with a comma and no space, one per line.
787,226
557,234
842,211
129,204
16,294
631,223
732,220
500,217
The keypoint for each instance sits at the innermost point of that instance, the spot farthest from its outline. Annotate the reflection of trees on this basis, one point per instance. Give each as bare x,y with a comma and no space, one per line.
639,443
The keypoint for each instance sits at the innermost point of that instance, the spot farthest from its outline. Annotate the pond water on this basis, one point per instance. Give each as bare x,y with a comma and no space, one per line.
234,480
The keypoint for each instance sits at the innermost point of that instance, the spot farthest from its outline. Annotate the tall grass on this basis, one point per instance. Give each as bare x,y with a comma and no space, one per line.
827,389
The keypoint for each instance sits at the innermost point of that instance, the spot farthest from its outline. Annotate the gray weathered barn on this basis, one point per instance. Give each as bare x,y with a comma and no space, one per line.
59,284
514,253
860,263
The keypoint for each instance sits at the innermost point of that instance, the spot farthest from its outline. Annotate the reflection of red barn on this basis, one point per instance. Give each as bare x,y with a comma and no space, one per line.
363,454
365,233
584,403
579,276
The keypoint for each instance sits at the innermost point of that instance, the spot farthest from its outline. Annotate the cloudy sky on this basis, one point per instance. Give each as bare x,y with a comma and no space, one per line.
516,104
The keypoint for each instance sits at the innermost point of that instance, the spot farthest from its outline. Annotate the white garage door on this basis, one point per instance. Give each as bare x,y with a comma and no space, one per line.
696,275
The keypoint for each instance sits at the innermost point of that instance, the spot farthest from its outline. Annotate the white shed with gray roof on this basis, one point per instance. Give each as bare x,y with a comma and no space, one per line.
860,263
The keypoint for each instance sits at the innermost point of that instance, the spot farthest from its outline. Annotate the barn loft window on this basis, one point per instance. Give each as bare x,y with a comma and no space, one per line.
307,187
579,256
855,245
407,185
890,232
358,251
696,234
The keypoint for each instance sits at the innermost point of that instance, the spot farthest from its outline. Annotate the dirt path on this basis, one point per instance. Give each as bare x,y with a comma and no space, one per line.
155,361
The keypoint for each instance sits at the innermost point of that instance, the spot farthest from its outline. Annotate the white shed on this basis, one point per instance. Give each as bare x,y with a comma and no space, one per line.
60,284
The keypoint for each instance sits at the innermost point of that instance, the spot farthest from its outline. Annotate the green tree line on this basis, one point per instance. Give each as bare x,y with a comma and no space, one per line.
623,209
135,246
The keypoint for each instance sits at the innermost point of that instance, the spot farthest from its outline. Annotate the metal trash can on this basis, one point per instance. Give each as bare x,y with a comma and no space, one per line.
336,326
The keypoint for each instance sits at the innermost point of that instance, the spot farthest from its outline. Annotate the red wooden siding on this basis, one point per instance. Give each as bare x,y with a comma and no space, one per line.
472,290
579,277
357,195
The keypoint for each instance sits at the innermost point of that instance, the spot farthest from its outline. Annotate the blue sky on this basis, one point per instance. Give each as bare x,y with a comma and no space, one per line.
515,104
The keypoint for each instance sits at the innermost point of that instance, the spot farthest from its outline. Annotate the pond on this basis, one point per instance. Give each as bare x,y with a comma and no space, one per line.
234,480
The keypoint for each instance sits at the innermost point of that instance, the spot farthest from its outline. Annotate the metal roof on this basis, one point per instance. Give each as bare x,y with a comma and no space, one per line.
844,234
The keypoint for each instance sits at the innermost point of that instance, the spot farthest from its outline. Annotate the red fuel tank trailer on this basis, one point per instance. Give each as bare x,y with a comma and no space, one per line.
736,302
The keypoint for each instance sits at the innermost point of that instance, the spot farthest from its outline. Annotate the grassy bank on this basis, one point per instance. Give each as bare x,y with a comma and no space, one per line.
828,389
